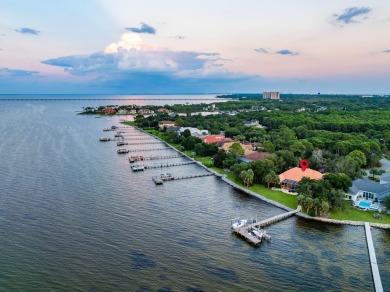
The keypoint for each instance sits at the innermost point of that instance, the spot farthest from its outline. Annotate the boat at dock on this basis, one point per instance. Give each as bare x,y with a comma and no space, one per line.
122,151
104,139
137,167
238,223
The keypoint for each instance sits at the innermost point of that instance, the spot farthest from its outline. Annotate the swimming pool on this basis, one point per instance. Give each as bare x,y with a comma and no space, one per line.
364,204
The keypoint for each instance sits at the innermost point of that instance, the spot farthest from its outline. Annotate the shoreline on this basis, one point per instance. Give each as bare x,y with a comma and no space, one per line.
269,201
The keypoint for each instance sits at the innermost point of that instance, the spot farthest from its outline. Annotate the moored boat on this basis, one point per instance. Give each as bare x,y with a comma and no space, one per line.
104,139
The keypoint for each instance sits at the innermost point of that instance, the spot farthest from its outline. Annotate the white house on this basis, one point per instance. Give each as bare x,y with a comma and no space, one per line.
366,194
194,131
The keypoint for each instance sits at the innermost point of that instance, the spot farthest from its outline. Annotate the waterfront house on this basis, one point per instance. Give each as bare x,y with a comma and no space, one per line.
367,190
290,178
108,111
145,111
166,124
163,110
194,131
209,139
227,144
252,123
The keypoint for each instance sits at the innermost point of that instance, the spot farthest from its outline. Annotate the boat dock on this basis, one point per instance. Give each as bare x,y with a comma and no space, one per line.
159,180
274,219
163,165
144,143
151,149
374,264
245,231
126,138
140,157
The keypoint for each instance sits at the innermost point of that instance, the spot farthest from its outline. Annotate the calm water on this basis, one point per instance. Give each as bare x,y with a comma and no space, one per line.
73,217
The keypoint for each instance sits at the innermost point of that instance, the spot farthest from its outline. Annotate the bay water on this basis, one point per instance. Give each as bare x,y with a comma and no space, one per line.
74,217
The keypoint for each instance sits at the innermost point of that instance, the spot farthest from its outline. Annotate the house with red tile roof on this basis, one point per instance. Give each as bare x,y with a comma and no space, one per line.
209,139
291,178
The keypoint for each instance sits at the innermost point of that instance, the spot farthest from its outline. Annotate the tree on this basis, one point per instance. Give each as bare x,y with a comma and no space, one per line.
238,168
358,156
190,142
386,202
262,167
186,133
247,177
271,178
179,122
308,202
236,150
316,205
229,161
268,146
339,181
324,207
219,157
376,171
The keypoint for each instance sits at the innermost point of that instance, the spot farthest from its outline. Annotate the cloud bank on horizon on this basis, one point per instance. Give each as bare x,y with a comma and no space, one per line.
128,48
131,62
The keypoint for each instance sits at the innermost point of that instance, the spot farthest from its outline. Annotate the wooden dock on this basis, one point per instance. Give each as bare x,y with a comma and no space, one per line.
244,231
164,165
274,219
374,264
141,158
144,143
151,149
247,236
167,177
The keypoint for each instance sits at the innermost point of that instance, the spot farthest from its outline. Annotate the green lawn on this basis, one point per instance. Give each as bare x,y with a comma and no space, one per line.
354,214
277,196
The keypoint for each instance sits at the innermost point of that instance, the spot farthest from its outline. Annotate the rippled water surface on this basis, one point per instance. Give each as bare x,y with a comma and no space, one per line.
73,217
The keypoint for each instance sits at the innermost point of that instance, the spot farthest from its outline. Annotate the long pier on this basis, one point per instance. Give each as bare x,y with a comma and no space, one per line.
274,219
140,157
151,149
143,143
124,138
374,264
162,165
161,179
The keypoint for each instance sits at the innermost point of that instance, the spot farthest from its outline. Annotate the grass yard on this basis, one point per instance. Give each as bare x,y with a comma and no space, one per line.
354,214
277,196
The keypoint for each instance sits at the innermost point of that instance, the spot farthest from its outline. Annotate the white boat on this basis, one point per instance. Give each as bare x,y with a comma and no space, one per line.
257,233
239,223
104,139
106,129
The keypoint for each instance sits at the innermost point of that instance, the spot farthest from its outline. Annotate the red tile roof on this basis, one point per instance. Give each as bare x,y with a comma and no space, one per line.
215,138
297,174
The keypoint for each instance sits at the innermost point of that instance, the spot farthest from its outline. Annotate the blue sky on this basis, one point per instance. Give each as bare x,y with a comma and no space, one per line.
172,46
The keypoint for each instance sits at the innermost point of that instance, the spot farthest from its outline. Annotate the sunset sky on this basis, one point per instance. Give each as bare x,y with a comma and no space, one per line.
214,46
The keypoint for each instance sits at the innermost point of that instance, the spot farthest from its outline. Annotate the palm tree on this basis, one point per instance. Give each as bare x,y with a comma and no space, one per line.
317,205
309,202
324,206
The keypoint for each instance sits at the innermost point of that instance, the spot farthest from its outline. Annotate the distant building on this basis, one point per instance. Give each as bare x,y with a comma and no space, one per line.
108,111
215,138
252,123
164,110
271,95
253,156
166,124
195,132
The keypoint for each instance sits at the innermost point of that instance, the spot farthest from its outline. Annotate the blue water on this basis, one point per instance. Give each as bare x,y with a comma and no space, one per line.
74,217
